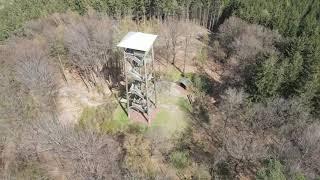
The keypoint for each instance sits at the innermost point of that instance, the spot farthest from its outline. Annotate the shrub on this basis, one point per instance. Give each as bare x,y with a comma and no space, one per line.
202,55
201,173
273,171
179,159
171,74
201,82
137,159
30,170
299,176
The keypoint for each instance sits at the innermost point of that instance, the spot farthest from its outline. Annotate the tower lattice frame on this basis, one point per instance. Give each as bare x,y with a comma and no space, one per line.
141,94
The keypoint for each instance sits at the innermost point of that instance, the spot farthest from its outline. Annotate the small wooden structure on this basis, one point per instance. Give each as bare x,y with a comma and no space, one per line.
185,83
139,72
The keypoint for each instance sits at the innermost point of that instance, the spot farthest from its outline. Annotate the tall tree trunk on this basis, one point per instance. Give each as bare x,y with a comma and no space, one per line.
173,54
210,21
185,54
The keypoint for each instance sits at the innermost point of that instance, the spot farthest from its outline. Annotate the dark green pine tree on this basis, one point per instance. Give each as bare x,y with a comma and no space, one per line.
269,78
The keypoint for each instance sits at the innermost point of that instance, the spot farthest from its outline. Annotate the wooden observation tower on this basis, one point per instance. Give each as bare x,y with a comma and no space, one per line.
141,94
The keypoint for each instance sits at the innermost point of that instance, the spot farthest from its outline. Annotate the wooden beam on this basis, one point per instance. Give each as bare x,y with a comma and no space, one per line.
146,81
126,77
154,75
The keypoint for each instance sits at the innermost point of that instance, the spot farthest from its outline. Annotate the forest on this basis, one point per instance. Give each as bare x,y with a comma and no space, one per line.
252,111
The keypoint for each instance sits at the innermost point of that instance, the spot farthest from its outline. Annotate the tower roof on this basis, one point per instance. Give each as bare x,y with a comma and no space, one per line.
138,41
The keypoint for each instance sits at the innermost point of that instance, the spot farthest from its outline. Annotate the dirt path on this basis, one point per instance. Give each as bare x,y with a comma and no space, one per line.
74,96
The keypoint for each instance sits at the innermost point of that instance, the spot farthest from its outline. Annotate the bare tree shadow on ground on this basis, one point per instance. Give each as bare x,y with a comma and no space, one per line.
215,87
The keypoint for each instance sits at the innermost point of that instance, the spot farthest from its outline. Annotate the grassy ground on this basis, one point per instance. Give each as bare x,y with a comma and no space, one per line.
170,121
106,118
119,121
171,74
172,118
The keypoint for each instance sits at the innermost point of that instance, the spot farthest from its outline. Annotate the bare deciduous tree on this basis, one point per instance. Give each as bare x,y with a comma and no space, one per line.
82,154
175,31
246,40
244,145
301,151
279,114
171,31
241,43
189,32
35,71
241,134
89,43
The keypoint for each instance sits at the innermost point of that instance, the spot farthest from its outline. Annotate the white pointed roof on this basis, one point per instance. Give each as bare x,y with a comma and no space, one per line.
138,41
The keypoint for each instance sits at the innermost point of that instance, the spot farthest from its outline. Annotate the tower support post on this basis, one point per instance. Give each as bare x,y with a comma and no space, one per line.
126,77
154,76
146,85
